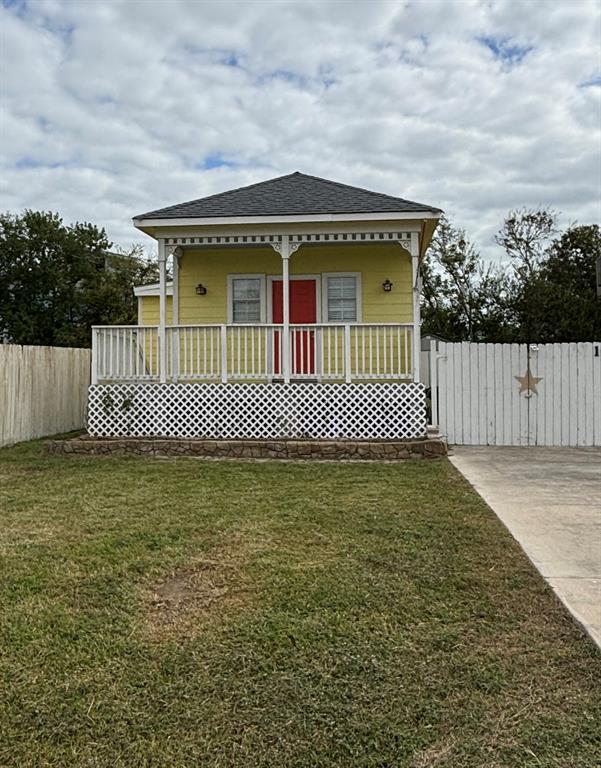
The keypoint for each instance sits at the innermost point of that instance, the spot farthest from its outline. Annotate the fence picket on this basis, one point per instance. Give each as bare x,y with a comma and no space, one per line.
596,393
581,404
483,389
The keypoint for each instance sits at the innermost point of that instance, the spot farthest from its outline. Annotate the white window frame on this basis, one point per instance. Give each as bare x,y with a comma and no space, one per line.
274,278
230,296
324,294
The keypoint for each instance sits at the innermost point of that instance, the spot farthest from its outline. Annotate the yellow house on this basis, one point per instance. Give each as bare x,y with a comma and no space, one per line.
292,281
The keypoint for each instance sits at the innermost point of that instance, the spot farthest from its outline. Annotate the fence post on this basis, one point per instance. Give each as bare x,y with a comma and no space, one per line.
95,340
434,382
223,354
347,353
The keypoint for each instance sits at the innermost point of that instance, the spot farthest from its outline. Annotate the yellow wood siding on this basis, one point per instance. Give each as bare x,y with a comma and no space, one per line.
211,267
150,309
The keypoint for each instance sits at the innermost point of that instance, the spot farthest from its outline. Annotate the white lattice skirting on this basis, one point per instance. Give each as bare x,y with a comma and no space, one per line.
255,411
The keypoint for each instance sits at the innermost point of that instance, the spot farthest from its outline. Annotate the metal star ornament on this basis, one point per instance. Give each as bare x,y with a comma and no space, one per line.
528,382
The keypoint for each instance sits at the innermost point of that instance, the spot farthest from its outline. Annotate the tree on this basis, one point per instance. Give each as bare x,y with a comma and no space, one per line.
559,302
111,300
525,236
56,281
547,294
463,298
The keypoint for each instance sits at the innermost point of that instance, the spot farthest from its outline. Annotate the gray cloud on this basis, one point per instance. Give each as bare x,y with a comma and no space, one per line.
112,108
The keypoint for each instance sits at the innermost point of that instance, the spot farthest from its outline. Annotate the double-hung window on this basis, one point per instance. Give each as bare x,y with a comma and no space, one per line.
246,299
342,298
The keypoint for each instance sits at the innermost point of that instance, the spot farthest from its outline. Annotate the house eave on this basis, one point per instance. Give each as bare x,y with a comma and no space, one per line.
152,289
143,224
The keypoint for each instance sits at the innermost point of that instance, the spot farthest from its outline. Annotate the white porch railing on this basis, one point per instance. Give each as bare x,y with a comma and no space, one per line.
329,352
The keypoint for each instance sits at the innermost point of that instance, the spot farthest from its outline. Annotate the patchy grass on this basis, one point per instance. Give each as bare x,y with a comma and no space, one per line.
198,594
186,613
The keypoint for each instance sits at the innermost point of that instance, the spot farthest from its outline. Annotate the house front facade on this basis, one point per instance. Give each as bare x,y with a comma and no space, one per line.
297,289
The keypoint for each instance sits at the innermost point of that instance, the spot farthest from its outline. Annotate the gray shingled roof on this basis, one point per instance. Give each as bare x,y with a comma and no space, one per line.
294,194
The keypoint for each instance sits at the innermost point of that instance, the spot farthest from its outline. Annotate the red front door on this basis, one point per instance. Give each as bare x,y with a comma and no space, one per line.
303,311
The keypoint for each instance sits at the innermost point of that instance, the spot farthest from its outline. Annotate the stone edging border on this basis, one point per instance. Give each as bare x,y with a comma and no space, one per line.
425,448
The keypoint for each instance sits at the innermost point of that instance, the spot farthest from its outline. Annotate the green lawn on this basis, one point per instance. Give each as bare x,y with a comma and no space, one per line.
184,613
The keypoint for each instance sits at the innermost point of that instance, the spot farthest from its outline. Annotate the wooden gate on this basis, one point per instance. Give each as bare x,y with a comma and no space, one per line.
517,394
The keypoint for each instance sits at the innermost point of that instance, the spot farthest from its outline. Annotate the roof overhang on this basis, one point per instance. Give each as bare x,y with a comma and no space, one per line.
151,289
304,219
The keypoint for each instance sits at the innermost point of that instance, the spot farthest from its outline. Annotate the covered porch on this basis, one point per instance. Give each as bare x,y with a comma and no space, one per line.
293,340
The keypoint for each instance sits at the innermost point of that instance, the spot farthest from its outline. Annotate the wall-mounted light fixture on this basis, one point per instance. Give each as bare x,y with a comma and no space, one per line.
387,286
201,290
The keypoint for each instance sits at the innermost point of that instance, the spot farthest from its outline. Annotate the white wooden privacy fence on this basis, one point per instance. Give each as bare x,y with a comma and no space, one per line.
43,390
517,394
330,352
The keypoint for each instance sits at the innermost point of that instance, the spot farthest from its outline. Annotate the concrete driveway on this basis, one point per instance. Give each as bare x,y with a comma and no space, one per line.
550,500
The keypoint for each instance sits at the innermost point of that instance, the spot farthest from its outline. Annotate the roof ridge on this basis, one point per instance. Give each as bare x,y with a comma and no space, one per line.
352,186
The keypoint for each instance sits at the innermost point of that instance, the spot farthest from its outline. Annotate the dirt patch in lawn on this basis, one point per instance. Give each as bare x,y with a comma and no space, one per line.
202,593
435,755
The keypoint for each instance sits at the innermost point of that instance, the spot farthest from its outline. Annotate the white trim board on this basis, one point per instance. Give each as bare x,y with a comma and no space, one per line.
290,219
151,289
263,236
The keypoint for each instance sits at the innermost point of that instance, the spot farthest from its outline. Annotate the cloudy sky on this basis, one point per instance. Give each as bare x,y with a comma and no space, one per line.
110,108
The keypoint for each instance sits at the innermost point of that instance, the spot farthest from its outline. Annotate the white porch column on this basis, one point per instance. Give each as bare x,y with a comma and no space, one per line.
285,248
176,253
162,312
285,254
416,283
